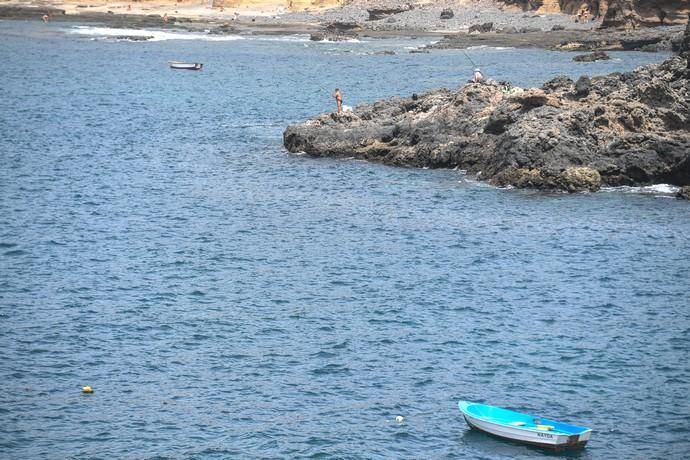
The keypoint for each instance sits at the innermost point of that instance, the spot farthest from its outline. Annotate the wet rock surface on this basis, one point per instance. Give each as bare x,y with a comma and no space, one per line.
621,129
337,32
595,56
684,193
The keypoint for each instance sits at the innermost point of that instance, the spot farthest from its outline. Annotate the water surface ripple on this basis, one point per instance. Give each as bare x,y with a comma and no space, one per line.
227,300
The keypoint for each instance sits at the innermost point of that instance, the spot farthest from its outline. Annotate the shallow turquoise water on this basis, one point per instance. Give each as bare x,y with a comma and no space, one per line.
226,299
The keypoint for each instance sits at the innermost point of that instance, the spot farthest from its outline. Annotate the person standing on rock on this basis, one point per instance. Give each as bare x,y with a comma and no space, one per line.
338,99
478,77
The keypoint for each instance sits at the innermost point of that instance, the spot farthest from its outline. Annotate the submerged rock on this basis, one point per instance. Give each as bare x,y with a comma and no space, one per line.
337,32
595,56
134,38
331,37
620,129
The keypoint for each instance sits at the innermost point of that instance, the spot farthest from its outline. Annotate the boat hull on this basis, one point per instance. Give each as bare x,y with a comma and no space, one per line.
523,428
186,66
543,440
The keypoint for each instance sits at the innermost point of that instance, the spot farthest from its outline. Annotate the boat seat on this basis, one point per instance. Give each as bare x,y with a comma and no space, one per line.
545,427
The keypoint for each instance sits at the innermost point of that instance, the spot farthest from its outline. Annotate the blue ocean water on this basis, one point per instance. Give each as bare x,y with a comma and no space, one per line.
228,300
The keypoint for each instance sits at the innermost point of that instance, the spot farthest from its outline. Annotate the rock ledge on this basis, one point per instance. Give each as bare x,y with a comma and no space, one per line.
620,129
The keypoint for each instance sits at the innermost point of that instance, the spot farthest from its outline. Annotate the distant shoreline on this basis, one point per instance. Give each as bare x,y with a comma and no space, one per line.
507,28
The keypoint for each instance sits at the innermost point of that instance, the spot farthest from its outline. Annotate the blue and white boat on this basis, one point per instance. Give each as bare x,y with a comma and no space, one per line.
516,426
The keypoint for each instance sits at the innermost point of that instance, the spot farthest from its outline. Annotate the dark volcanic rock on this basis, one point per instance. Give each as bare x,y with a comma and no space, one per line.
562,84
343,27
337,32
620,129
582,86
134,38
447,13
28,12
684,193
328,36
595,56
481,28
224,29
684,48
376,14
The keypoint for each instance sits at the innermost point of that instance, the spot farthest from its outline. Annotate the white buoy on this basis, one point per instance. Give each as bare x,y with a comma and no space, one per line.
399,418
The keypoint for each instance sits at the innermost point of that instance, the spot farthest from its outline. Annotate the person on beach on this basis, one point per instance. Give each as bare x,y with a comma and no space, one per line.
165,18
338,99
478,77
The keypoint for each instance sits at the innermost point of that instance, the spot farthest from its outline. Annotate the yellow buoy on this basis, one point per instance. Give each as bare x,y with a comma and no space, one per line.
87,389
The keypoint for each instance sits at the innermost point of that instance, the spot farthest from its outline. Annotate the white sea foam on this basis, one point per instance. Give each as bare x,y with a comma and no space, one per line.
490,48
657,189
156,35
283,38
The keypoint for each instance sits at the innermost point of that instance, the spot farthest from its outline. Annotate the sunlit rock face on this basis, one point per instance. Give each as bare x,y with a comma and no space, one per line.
615,13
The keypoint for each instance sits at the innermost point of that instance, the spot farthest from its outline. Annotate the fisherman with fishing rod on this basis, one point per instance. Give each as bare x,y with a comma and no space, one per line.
477,77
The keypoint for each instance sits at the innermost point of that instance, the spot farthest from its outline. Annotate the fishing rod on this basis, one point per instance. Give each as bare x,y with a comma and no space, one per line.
469,58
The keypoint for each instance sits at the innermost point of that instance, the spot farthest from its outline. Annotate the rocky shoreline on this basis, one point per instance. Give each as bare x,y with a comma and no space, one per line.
654,39
481,22
620,129
629,129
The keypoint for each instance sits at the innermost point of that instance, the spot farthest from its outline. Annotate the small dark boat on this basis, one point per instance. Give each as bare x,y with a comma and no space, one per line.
185,65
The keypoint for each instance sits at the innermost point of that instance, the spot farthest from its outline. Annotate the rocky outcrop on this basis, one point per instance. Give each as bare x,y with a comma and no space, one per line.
684,47
376,14
224,29
28,12
447,13
336,32
628,129
621,14
631,14
628,14
595,56
481,28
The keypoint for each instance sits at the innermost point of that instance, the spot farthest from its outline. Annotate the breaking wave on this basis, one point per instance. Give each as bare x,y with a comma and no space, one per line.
147,34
